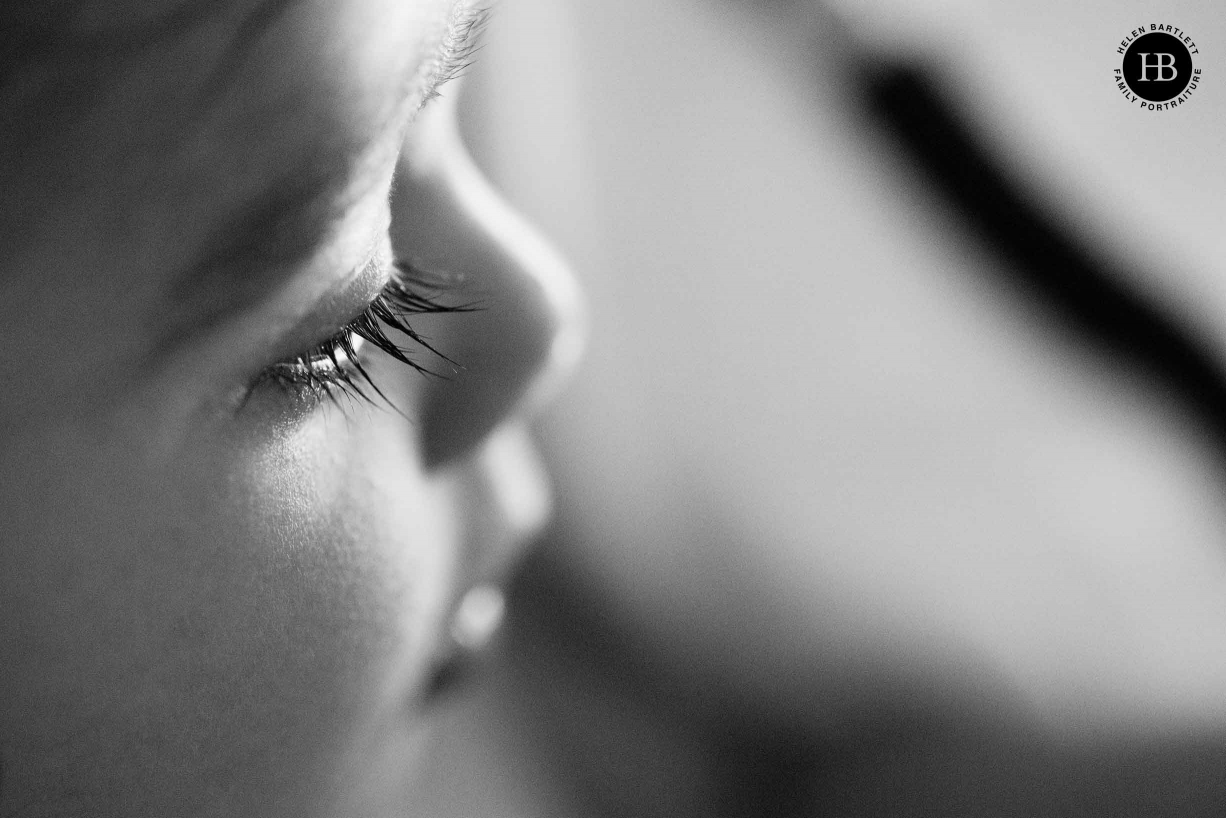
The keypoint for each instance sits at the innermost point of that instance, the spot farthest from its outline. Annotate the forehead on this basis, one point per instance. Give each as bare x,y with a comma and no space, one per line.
95,43
133,74
193,98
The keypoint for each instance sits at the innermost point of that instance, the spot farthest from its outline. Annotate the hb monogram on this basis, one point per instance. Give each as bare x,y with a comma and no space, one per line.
1161,66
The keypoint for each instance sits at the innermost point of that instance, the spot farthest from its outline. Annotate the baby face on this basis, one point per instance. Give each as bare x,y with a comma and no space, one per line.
237,515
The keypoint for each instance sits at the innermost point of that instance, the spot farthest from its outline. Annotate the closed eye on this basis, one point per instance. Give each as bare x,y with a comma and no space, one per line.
334,367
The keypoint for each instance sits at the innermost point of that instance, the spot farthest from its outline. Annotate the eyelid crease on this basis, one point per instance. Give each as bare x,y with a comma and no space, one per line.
293,229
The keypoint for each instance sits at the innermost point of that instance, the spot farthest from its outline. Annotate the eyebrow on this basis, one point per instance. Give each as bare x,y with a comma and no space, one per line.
259,245
457,48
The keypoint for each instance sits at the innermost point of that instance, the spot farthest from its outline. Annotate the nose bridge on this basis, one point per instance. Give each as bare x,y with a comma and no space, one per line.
526,333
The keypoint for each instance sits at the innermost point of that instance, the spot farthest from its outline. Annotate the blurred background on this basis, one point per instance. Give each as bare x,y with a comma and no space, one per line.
850,520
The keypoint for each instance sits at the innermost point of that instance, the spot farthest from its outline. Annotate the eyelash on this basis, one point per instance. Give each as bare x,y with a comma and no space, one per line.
333,367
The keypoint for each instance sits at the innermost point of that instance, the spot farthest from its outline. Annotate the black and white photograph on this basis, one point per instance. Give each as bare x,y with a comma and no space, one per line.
612,409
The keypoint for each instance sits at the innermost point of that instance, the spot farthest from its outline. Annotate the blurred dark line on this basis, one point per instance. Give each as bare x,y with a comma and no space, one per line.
1053,264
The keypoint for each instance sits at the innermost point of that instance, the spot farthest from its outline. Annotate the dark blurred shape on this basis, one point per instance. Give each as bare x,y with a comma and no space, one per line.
1053,265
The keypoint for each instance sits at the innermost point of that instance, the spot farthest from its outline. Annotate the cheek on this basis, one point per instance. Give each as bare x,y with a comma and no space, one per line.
332,616
245,623
353,539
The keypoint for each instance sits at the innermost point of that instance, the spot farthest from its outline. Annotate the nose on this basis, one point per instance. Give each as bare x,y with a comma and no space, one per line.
526,330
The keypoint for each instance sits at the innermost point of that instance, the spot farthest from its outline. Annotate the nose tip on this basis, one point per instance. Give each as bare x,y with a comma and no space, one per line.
513,351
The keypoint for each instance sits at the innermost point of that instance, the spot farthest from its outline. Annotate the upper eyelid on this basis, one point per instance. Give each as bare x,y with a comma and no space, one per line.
242,264
410,291
453,55
329,312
